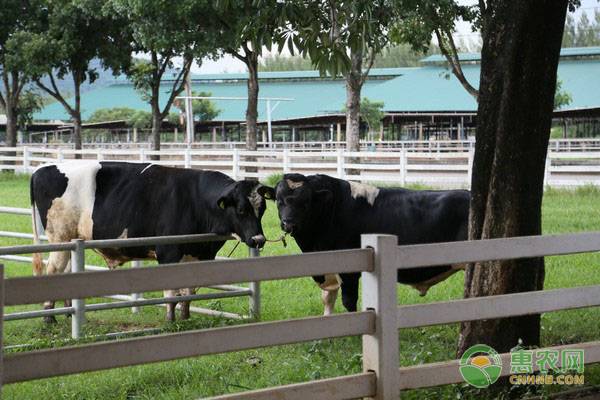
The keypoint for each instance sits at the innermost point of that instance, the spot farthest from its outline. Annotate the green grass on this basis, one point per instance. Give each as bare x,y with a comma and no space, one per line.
564,211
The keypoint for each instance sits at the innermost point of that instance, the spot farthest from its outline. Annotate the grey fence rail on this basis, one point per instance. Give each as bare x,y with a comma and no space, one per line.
134,300
379,321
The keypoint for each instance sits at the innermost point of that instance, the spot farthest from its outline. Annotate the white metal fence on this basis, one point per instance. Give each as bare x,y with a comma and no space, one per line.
445,164
378,322
134,300
566,145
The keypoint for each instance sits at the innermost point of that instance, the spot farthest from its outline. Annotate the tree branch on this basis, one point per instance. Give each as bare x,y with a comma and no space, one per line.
371,60
452,58
54,92
4,100
178,87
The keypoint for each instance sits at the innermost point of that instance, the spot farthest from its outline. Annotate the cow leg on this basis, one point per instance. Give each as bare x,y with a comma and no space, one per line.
328,297
171,306
57,263
329,291
185,305
350,291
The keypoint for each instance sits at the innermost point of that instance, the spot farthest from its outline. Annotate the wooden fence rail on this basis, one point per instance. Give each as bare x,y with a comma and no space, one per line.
378,322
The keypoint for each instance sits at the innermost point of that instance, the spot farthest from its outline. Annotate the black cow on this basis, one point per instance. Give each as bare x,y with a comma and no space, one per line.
324,213
107,200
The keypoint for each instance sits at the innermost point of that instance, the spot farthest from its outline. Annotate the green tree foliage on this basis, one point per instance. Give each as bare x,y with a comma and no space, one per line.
165,30
278,62
372,113
134,118
204,109
74,33
401,55
562,98
250,25
424,19
342,37
582,33
15,16
30,102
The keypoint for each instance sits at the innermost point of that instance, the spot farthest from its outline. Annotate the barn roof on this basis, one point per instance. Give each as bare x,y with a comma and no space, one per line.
430,88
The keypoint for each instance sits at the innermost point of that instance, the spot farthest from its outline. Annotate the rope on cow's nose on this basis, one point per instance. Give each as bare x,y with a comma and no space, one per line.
234,247
281,239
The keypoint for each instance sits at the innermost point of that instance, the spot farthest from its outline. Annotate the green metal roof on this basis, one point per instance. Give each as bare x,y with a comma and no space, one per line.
564,53
430,88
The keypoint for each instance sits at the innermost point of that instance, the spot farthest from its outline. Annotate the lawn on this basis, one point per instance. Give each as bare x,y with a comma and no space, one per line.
564,211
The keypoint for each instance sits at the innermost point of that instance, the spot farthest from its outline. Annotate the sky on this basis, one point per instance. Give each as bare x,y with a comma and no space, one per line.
229,64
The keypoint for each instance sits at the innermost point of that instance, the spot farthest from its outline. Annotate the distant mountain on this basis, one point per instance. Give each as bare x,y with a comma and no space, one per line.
65,85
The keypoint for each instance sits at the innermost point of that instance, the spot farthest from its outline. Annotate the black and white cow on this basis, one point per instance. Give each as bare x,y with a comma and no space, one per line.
107,200
324,213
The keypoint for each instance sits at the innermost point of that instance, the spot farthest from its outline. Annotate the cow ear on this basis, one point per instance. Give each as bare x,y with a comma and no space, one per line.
225,199
323,196
266,192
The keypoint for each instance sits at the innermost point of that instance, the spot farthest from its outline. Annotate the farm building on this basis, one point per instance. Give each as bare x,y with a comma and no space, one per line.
419,102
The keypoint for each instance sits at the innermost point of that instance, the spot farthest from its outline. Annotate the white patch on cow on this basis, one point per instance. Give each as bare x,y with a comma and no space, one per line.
255,200
123,234
147,166
293,185
368,192
76,204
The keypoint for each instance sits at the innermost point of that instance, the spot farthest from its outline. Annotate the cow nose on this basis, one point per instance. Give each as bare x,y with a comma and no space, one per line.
257,241
287,225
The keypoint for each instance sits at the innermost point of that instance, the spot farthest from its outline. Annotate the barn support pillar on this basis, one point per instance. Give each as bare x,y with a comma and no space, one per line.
214,134
135,135
293,133
339,132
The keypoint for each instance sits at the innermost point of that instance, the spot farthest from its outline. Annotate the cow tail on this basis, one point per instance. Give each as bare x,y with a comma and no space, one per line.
36,224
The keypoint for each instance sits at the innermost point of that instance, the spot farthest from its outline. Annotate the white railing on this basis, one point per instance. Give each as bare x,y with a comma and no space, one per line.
410,165
135,300
378,322
567,145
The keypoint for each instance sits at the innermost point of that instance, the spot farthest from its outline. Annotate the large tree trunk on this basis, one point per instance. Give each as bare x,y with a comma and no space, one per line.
156,125
77,133
252,108
353,89
11,123
521,45
76,114
11,129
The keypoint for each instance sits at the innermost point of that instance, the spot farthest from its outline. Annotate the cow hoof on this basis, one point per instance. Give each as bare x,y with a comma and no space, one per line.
50,319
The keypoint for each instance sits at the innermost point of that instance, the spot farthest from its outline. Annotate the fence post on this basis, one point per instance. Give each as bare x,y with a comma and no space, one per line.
402,166
61,156
380,349
1,326
26,162
77,265
340,164
187,158
235,165
142,154
136,296
254,300
547,172
286,161
470,163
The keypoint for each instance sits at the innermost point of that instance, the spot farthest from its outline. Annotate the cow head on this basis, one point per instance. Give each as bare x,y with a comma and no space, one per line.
299,203
244,205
